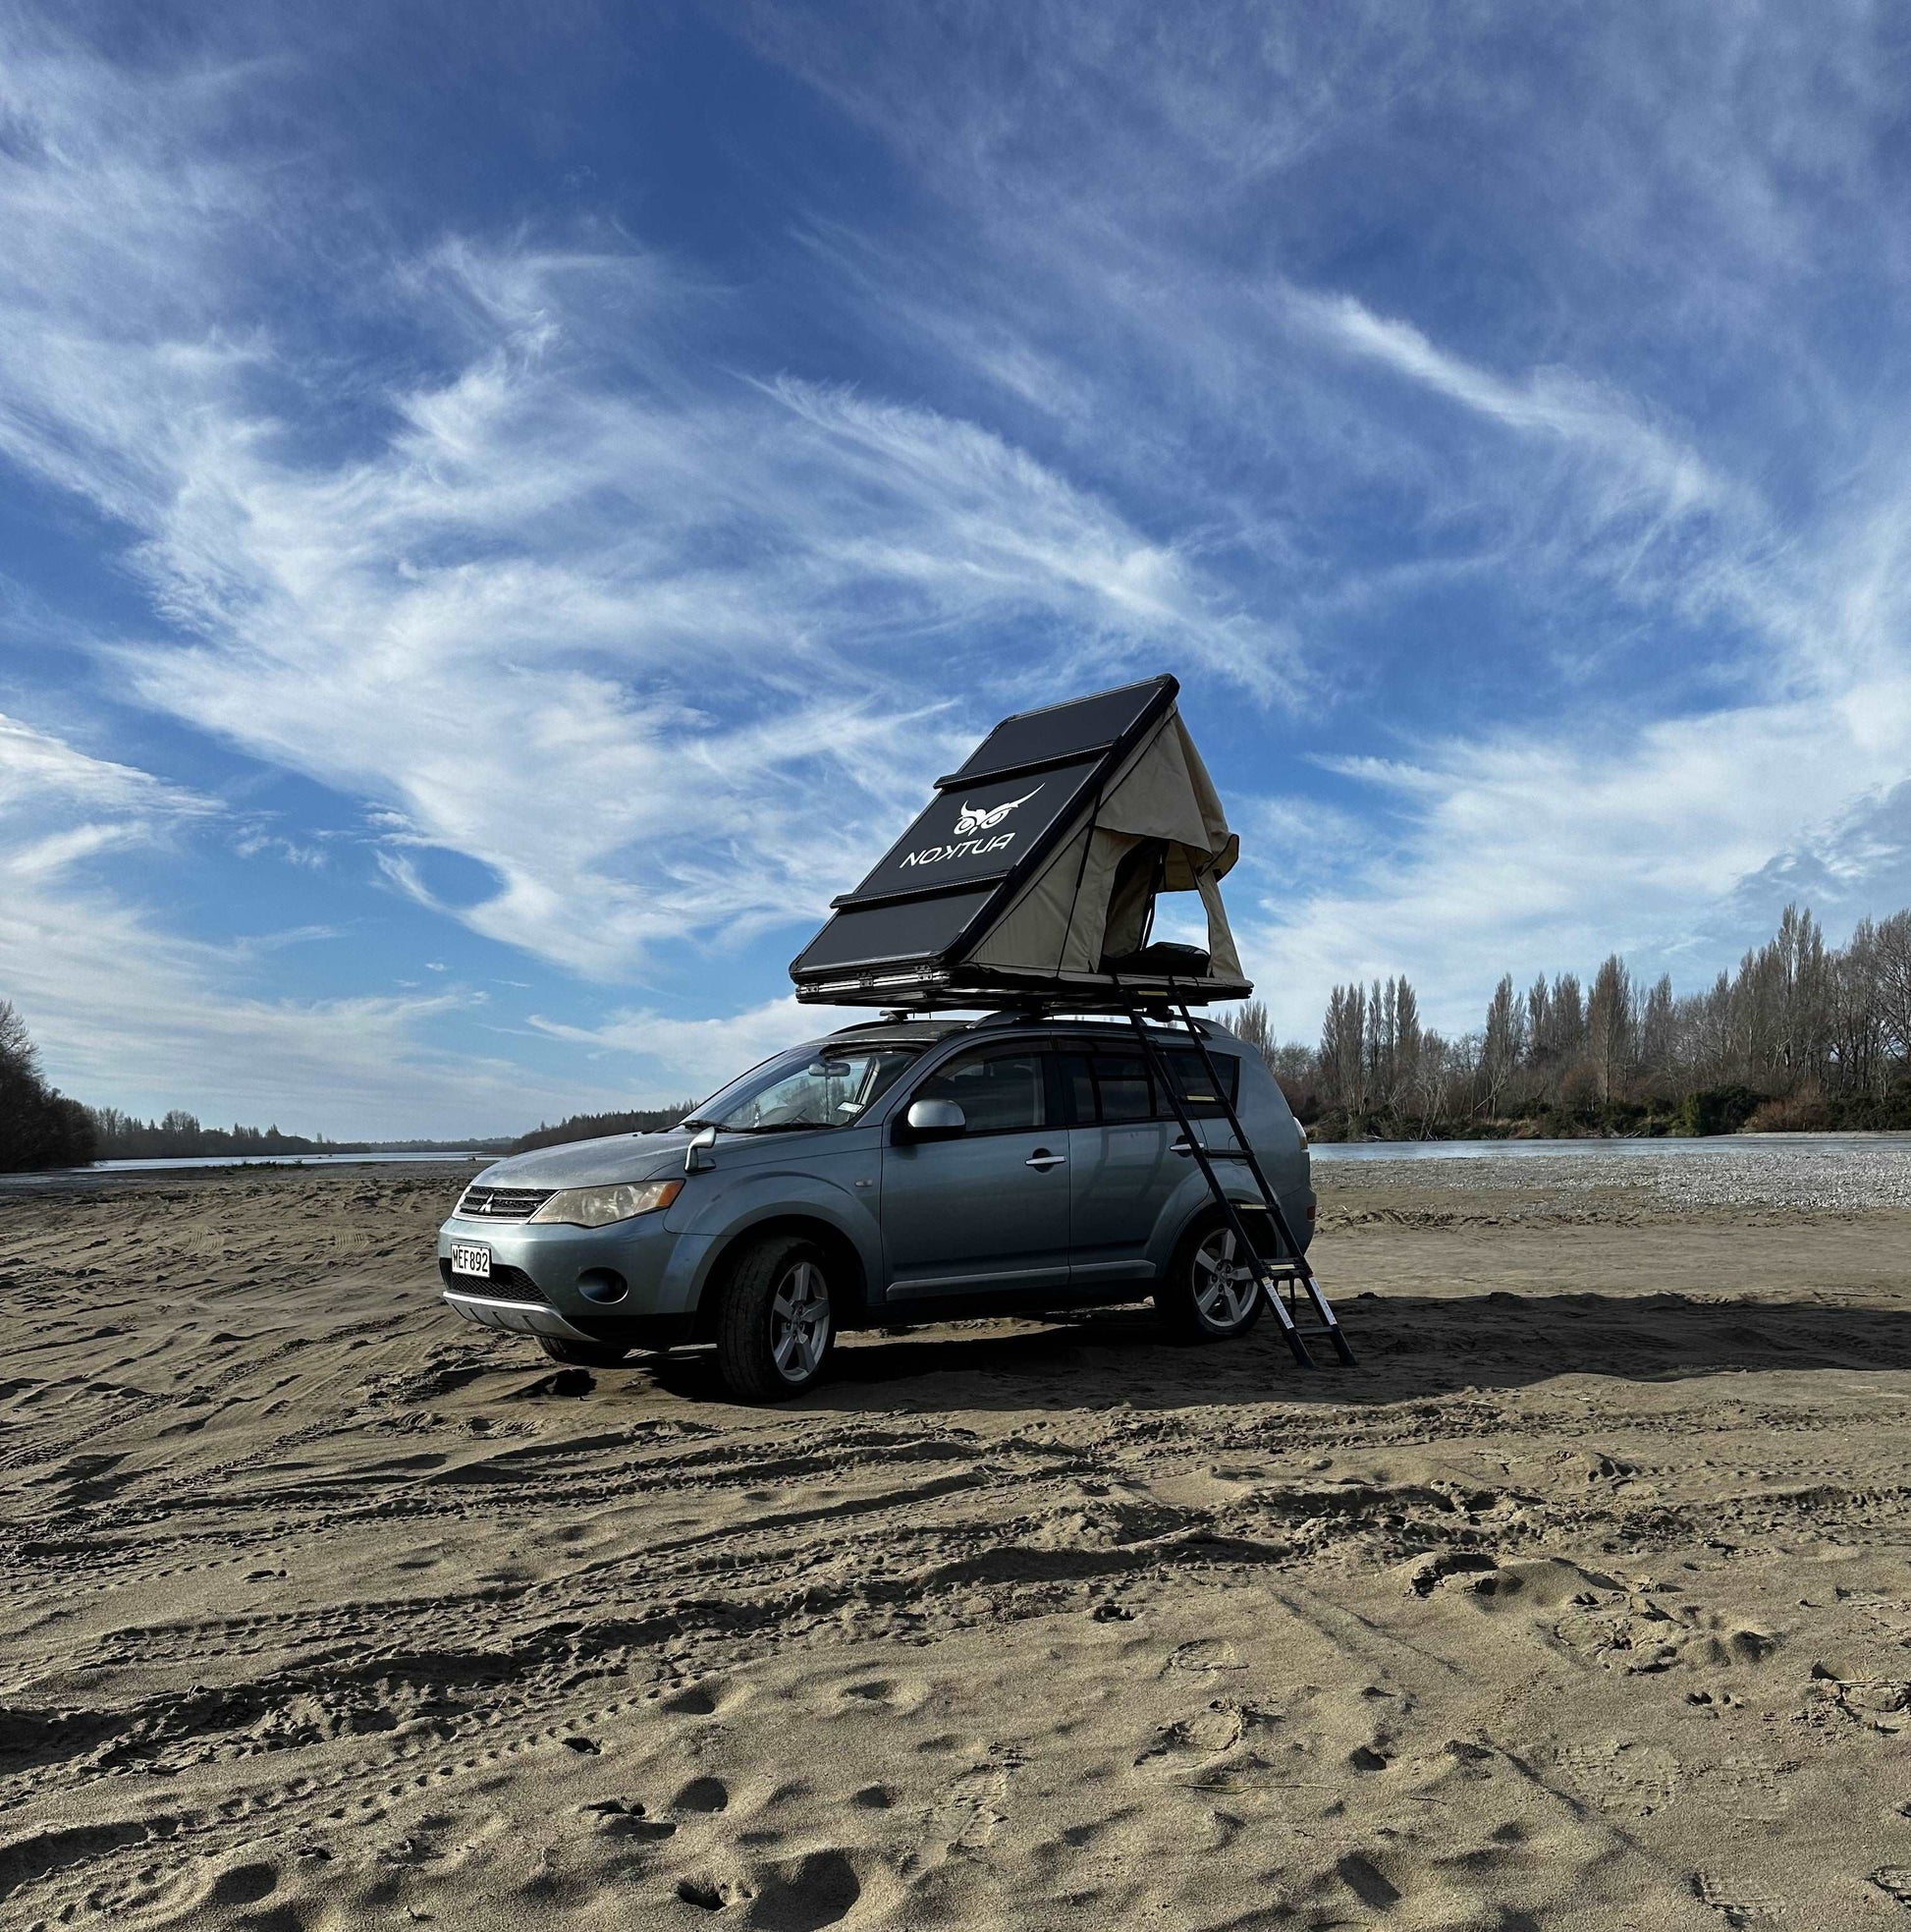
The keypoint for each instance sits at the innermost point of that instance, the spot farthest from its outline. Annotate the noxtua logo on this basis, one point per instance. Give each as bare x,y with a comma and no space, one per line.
970,819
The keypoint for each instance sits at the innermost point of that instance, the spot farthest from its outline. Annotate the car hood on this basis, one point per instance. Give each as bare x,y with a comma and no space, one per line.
621,1157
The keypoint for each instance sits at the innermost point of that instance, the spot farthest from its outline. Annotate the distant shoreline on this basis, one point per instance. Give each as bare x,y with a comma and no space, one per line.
1454,1147
33,1179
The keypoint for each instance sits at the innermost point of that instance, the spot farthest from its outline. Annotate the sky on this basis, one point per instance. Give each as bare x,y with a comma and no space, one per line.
503,511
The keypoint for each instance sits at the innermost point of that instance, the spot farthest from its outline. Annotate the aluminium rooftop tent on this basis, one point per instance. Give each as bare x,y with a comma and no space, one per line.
1031,879
1035,870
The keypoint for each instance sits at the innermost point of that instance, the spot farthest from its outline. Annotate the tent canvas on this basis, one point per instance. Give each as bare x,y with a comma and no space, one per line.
1036,869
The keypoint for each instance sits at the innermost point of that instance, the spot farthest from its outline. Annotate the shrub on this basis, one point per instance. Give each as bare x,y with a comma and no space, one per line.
1717,1110
1796,1113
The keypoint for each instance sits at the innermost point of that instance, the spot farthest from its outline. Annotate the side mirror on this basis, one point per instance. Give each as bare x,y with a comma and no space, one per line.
697,1156
934,1120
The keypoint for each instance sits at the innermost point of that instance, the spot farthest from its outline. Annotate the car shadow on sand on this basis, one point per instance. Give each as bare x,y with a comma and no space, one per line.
1406,1346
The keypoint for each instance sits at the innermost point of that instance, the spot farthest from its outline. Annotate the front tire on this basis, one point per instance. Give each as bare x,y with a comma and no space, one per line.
775,1326
581,1354
1211,1294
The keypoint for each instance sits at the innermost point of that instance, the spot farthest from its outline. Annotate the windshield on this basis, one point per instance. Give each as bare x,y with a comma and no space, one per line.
816,1086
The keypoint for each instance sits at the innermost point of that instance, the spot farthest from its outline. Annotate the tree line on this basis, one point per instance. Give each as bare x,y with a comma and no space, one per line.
1802,1036
594,1126
42,1128
39,1127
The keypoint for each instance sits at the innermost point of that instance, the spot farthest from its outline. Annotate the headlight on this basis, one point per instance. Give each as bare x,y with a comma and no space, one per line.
598,1207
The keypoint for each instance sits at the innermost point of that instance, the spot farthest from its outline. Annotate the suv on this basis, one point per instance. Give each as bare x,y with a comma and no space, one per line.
898,1172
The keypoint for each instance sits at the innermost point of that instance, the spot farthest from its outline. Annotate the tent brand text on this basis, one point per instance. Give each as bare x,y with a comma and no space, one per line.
935,855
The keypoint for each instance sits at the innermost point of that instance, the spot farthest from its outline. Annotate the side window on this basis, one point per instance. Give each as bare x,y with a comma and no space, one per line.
1121,1085
998,1092
1078,1083
1196,1089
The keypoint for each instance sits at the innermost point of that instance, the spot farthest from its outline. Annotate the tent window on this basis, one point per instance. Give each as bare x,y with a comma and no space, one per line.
998,1093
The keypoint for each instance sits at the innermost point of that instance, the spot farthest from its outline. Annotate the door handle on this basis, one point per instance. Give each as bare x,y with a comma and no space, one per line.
1182,1148
1045,1160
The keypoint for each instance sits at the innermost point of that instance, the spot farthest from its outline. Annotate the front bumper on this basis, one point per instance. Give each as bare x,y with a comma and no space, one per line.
632,1283
518,1317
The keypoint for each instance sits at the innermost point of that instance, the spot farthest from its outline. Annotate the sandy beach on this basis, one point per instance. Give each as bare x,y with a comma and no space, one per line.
1583,1601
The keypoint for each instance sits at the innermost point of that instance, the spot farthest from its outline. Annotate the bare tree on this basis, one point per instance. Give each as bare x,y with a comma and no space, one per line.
1503,1046
1343,1052
16,1051
1609,1027
1891,981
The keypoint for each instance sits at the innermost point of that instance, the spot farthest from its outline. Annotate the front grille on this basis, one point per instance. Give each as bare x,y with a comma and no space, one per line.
508,1284
503,1203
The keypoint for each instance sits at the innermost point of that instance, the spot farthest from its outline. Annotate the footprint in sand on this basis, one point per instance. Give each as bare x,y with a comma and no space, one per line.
694,1700
795,1894
970,1813
1192,1741
1205,1656
1735,1902
1894,1881
243,1885
1367,1882
805,1893
1624,1776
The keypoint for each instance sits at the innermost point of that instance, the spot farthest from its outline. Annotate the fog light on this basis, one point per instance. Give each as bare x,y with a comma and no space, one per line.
601,1285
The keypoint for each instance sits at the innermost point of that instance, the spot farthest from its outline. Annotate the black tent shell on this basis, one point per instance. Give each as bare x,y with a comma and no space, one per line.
1034,870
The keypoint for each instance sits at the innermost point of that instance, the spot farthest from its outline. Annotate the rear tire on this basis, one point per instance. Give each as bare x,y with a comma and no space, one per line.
581,1354
775,1326
1211,1294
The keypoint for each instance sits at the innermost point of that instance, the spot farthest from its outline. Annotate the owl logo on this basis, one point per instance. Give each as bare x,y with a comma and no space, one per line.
971,820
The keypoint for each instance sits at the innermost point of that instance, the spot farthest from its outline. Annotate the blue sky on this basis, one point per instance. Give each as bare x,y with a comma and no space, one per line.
502,510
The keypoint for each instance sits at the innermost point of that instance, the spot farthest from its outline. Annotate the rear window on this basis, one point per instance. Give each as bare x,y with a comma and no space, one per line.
1196,1089
1114,1087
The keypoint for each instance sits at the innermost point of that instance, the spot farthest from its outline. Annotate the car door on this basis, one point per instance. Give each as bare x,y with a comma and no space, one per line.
1122,1158
987,1210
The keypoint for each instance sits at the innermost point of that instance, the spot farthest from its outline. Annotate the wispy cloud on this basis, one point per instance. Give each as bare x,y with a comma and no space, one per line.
1521,334
130,1011
38,770
674,1056
1550,403
578,605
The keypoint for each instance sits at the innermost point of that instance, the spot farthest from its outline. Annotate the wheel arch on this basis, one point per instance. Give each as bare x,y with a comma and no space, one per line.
843,1269
1207,1216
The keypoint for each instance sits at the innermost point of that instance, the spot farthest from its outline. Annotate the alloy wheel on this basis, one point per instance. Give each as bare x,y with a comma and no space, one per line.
799,1322
1224,1283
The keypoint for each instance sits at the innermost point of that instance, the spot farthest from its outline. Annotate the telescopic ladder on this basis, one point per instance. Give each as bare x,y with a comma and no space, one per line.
1290,1266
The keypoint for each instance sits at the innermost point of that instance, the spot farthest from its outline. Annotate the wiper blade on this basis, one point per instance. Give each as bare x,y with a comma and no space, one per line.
782,1127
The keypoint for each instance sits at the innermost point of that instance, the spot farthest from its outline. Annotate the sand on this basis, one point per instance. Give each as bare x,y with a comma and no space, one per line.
1583,1601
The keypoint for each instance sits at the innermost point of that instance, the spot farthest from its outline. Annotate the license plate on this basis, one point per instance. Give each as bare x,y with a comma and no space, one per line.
469,1259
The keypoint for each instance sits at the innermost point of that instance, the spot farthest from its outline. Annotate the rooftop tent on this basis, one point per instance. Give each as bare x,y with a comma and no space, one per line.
1036,870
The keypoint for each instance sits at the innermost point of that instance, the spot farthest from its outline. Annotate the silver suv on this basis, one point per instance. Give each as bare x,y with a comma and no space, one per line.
894,1172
